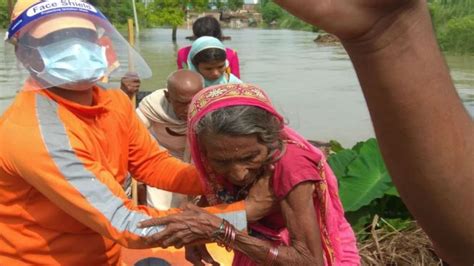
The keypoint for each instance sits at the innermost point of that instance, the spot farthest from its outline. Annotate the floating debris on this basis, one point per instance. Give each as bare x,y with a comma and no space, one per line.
327,38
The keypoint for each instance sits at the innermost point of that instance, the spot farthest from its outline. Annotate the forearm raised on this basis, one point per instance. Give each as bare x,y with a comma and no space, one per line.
425,134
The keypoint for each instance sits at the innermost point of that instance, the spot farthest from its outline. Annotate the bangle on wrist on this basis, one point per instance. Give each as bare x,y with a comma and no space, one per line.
219,231
225,235
271,256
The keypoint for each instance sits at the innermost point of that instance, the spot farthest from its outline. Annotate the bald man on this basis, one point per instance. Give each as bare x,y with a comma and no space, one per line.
164,113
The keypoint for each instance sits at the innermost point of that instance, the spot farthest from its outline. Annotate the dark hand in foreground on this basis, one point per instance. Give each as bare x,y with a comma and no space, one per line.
361,20
130,84
393,48
198,255
193,225
261,200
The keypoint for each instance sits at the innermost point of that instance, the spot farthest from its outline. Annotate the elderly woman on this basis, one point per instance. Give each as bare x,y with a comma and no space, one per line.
235,134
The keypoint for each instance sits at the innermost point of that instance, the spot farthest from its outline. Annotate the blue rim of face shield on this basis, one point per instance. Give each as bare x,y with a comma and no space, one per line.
51,7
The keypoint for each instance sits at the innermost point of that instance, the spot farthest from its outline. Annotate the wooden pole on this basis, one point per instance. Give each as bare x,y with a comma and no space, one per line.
131,68
135,16
131,33
131,40
10,8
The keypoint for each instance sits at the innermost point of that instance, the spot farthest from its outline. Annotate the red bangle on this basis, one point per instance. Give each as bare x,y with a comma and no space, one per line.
227,237
271,256
232,238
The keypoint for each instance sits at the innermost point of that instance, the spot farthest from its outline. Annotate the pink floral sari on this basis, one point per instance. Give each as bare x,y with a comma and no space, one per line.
338,239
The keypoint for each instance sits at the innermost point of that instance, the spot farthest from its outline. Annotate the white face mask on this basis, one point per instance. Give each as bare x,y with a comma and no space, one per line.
72,61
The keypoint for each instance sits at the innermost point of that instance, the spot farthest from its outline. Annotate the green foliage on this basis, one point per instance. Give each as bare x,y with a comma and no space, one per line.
235,4
336,146
390,208
453,22
118,12
146,18
4,18
340,161
458,35
219,4
167,13
271,12
365,186
362,175
291,22
264,2
158,13
170,12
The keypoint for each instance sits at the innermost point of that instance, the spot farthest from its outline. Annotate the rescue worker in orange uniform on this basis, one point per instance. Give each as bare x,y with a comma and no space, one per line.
67,145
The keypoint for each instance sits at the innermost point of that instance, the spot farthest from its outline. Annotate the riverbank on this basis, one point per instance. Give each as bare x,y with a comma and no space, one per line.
314,86
453,21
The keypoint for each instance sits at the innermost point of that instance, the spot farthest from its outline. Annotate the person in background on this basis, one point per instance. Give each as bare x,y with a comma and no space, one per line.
425,134
208,58
209,26
164,113
234,134
130,84
61,195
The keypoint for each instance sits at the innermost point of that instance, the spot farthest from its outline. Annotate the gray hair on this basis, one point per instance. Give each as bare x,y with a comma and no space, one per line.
242,121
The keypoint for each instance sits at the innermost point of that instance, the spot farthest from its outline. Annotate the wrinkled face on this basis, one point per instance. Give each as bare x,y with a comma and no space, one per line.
180,106
180,100
212,70
240,159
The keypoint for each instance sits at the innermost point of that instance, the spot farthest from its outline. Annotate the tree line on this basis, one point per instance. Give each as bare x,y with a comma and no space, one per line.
453,20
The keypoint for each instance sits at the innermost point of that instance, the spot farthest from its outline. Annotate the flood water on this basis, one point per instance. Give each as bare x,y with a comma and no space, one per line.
313,86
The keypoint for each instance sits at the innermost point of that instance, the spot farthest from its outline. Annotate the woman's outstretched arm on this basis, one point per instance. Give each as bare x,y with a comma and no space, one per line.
195,224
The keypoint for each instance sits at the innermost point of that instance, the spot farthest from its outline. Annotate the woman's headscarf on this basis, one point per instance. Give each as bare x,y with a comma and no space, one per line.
210,99
202,44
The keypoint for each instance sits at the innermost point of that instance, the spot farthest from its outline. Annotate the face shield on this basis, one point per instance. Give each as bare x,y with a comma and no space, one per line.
71,45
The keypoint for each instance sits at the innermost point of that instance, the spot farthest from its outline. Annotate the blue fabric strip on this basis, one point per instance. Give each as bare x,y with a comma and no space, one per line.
51,7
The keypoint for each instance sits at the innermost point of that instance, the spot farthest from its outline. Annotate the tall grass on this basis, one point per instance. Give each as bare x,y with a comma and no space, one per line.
454,24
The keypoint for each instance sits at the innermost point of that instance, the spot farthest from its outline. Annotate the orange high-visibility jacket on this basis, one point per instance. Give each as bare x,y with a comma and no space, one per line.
62,166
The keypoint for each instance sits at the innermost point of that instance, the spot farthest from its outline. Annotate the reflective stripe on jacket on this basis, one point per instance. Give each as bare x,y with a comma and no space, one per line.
61,169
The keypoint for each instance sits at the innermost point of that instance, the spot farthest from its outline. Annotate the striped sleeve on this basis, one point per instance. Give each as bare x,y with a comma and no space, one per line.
65,172
60,168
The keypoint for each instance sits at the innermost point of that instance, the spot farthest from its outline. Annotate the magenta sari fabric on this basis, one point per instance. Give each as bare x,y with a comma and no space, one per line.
337,237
